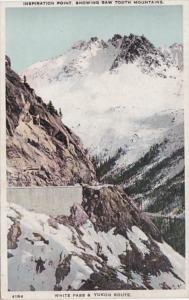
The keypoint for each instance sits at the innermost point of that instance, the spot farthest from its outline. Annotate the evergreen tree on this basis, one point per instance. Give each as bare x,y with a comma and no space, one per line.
60,113
51,108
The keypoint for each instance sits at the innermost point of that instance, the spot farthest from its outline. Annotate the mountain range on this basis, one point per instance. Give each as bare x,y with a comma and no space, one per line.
123,142
126,94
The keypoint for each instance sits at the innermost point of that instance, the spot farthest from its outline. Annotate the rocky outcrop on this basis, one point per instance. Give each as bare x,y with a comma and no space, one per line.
109,207
41,150
78,216
13,235
106,279
138,48
62,271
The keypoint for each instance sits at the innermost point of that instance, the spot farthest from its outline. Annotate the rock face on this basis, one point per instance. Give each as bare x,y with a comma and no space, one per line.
133,47
109,207
150,58
41,150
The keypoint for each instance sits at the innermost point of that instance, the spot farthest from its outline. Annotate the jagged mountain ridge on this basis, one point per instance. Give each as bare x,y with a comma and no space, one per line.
41,150
99,56
134,47
98,247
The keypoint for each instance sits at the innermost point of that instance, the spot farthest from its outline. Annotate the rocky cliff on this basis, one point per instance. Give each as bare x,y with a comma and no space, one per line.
41,150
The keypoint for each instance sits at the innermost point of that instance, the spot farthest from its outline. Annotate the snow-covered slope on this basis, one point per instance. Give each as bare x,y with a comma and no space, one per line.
174,54
105,88
151,167
80,257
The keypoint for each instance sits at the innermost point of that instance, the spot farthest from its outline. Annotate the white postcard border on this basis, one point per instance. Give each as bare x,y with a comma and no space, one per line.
88,294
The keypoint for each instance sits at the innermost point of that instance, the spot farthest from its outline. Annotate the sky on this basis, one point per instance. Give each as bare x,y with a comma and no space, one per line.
36,34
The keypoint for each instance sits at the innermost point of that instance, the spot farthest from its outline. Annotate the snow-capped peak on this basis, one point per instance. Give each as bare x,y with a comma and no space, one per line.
94,78
97,56
93,42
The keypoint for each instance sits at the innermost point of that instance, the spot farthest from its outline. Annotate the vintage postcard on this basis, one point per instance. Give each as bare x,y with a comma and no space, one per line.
94,149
